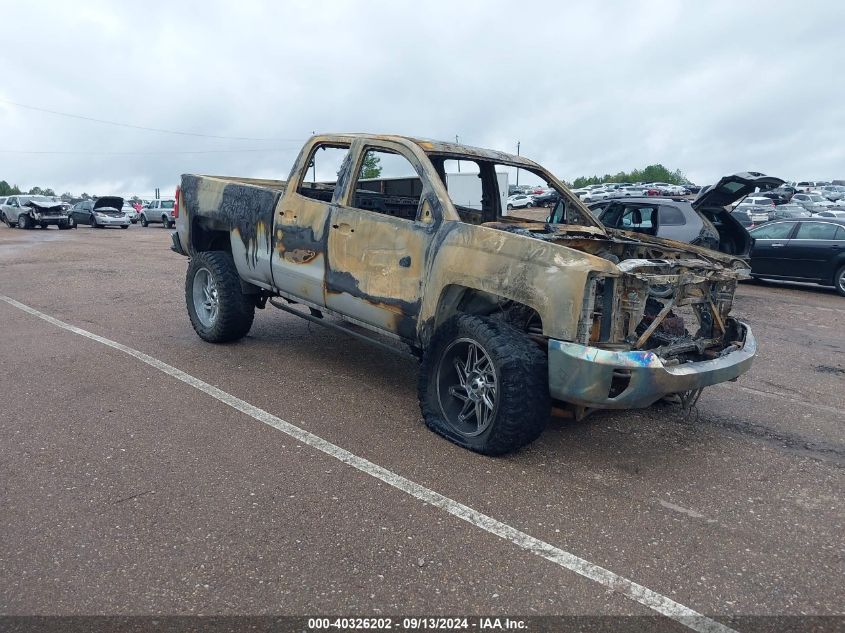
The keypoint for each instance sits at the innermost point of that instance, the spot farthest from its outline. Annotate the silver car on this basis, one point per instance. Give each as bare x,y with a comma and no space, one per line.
158,211
29,211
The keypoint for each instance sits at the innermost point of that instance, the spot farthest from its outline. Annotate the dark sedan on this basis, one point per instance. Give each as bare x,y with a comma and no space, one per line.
547,199
810,250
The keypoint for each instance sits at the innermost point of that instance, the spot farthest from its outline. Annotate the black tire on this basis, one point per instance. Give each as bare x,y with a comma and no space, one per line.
166,222
510,207
144,222
23,222
64,226
839,281
124,226
235,310
520,371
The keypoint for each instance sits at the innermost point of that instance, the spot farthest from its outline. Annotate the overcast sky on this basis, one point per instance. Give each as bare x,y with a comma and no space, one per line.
597,87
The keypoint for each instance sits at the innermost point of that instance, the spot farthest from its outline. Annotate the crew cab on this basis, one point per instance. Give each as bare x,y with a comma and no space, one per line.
508,316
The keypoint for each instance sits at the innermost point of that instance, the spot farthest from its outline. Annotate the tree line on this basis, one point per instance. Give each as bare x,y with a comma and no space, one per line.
652,173
13,190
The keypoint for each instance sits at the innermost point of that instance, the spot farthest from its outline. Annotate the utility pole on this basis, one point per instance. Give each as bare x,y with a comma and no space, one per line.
517,169
459,162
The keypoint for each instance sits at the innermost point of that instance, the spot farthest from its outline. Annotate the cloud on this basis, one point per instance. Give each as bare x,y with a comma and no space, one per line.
709,88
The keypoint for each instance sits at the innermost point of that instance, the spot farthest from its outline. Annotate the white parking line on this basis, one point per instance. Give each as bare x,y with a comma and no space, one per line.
651,599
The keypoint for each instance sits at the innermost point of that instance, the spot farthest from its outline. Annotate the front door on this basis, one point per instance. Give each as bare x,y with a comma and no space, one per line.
768,254
378,239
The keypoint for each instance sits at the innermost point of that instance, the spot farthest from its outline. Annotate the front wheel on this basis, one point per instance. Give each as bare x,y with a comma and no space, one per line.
219,311
510,207
166,222
144,222
484,385
24,222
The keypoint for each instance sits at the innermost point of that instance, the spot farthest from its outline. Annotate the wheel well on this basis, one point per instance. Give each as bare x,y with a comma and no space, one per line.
462,300
209,239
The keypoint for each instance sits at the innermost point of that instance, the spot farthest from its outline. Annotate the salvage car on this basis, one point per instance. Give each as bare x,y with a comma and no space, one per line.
790,211
519,201
100,213
507,315
804,250
130,211
704,222
29,211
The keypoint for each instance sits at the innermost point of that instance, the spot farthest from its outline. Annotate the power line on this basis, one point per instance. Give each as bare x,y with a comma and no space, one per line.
146,129
95,153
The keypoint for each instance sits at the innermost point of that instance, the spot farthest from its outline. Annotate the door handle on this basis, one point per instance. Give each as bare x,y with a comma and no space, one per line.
776,245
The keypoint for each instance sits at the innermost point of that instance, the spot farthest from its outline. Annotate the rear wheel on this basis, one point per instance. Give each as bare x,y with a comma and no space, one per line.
219,311
484,385
6,220
510,207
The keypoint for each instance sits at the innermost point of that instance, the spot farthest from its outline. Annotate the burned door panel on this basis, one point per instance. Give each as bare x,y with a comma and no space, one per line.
376,268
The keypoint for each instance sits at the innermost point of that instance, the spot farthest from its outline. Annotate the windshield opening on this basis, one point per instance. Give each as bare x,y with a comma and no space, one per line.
485,190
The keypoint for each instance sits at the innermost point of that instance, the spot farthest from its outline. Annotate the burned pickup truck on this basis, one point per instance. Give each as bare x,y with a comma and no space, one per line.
509,316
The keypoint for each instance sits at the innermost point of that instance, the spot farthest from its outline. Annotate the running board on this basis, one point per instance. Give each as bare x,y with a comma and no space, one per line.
319,320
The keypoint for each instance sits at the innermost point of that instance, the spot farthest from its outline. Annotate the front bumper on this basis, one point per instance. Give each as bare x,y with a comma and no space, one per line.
109,221
598,378
40,218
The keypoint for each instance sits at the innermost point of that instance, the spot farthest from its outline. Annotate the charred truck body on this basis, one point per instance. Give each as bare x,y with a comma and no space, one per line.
506,314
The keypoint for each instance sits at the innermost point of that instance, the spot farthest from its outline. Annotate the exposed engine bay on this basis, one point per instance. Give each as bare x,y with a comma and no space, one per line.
672,301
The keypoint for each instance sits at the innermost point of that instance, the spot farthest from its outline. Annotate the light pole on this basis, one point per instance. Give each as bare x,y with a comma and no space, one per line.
517,169
459,162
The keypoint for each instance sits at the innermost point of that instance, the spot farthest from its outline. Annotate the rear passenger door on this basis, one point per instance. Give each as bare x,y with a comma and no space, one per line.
812,250
378,239
301,218
672,224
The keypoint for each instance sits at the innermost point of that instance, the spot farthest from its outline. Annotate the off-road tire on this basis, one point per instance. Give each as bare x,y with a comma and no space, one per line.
236,310
839,281
144,221
522,396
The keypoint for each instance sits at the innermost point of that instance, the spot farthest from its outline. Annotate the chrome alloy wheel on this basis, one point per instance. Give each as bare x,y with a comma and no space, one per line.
467,384
206,298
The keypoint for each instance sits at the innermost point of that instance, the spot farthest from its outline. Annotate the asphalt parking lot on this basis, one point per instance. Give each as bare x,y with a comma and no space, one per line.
127,491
